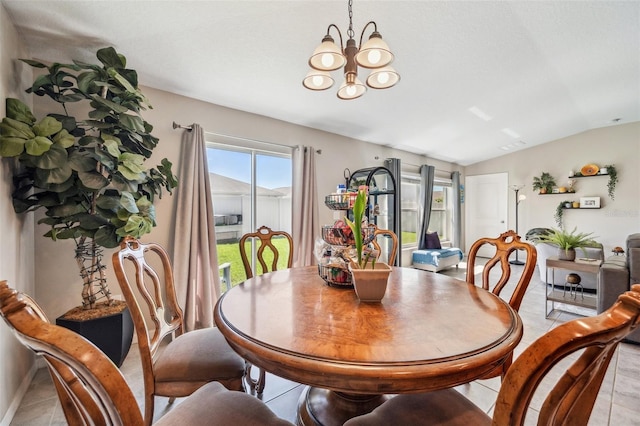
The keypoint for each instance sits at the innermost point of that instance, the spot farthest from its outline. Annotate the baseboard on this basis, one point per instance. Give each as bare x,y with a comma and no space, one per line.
20,393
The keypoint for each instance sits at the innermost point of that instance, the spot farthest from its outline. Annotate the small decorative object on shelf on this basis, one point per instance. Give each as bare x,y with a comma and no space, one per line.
618,251
589,170
570,187
589,202
342,201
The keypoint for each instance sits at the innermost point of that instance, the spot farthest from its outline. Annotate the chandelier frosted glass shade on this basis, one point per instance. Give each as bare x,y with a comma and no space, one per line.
318,80
351,89
383,78
374,53
328,56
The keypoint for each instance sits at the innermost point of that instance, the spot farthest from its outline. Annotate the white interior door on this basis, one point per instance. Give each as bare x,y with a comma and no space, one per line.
485,208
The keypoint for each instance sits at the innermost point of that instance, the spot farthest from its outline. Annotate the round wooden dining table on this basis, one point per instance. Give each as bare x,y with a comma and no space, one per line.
429,332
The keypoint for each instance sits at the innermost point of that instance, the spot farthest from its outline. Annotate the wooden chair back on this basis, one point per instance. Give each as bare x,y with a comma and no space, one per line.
573,396
385,233
266,249
505,244
157,303
91,388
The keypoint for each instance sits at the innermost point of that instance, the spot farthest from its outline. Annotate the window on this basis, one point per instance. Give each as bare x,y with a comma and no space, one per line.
441,209
250,187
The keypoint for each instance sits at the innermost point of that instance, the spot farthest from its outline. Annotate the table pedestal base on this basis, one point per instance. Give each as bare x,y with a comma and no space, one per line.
322,407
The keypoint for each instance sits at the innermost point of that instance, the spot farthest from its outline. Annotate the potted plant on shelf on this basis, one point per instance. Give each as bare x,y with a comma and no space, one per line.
544,183
369,282
88,174
568,241
613,180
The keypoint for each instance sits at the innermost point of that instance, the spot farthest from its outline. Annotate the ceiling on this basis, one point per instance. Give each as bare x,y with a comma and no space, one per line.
542,70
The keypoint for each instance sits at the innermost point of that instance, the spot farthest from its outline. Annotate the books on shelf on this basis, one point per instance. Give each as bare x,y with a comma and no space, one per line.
588,261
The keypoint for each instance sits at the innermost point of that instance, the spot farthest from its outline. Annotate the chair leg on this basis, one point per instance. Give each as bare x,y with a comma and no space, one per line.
256,386
148,409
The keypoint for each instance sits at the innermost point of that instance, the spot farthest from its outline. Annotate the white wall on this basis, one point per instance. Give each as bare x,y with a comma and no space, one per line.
16,250
618,145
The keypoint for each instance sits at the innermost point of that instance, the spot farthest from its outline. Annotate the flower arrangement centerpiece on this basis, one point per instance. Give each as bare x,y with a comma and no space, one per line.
370,283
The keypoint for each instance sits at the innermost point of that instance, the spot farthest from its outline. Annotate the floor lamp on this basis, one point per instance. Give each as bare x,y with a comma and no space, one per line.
519,198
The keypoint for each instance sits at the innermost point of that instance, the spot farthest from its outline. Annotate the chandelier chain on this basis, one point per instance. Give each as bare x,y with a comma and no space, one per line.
350,31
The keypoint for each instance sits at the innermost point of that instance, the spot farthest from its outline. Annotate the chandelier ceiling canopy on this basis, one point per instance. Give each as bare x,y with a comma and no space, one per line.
374,54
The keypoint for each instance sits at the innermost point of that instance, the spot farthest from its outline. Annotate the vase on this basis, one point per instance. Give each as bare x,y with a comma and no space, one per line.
566,254
371,284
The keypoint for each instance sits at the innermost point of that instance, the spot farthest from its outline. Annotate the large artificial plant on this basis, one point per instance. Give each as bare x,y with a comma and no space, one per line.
88,174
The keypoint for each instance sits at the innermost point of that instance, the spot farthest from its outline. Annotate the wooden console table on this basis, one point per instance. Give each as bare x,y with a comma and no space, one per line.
568,297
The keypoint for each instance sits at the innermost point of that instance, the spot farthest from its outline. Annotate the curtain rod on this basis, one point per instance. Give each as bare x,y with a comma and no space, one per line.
189,128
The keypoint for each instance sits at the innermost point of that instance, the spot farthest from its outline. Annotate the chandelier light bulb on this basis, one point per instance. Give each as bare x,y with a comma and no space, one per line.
327,60
317,80
383,78
374,57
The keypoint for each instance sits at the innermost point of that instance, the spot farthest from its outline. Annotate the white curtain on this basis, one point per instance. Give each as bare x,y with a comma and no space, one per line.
195,259
305,224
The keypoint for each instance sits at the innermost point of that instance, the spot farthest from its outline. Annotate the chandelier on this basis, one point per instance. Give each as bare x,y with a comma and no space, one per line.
374,55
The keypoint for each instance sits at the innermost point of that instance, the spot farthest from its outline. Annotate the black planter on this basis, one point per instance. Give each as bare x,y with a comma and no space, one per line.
112,334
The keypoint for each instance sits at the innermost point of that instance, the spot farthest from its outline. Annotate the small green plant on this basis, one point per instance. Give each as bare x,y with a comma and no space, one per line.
568,240
560,213
359,207
544,183
613,180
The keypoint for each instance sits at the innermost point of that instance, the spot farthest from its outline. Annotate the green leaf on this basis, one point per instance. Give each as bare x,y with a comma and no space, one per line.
110,58
38,146
123,185
131,166
33,63
112,147
11,147
89,140
128,202
85,79
91,221
108,202
93,180
54,158
125,83
57,175
11,127
132,122
17,110
65,210
106,237
82,162
110,104
64,139
47,127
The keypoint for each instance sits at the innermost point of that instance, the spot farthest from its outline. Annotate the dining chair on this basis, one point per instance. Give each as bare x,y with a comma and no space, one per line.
386,233
93,391
266,251
589,342
267,256
192,358
505,244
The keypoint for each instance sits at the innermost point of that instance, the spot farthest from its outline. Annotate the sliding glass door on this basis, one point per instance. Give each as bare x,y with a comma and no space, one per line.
250,188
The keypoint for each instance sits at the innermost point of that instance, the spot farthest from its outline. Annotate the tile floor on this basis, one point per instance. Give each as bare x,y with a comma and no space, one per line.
618,402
